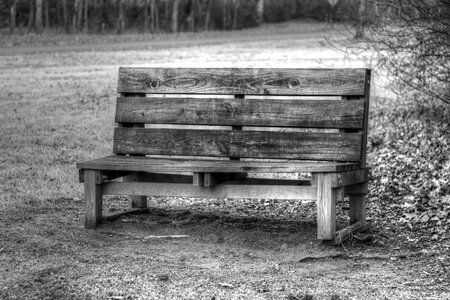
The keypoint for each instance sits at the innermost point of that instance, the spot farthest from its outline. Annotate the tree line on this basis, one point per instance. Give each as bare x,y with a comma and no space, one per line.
109,16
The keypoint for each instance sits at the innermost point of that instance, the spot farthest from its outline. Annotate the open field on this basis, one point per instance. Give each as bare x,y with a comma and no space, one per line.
57,108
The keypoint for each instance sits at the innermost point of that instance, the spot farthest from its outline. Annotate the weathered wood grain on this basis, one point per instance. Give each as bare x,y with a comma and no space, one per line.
350,177
185,177
241,112
242,81
346,178
288,192
93,198
326,206
357,189
357,212
212,179
105,175
147,164
111,216
136,201
227,143
348,232
197,179
366,117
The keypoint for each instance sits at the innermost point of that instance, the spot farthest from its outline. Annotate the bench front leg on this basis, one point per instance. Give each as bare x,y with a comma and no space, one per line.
326,205
93,198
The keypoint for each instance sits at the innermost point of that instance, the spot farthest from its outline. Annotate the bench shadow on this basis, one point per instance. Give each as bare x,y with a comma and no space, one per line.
218,228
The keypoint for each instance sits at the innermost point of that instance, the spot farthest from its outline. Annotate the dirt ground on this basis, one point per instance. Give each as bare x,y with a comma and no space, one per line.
218,254
57,108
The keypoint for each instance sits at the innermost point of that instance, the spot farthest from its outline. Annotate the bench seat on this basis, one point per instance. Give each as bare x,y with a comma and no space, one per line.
155,165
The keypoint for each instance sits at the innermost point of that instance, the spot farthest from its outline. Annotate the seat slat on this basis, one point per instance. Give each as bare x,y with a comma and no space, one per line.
242,81
245,144
242,112
147,164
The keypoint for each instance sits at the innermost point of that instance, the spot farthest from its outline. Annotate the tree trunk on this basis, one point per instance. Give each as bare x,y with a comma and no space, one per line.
13,12
39,16
76,5
47,14
208,14
155,15
174,26
259,12
225,14
79,13
31,15
86,17
146,16
191,15
235,13
121,18
167,15
361,22
65,16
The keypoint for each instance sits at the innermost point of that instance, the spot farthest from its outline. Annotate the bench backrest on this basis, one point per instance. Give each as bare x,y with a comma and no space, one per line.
302,114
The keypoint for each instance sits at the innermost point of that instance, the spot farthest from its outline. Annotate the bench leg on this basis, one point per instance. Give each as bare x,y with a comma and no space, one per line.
326,205
357,209
136,201
93,198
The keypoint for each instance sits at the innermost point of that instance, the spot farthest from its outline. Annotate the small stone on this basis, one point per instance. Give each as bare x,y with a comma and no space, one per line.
424,219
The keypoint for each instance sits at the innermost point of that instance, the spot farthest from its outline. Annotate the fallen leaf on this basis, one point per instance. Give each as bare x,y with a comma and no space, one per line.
225,285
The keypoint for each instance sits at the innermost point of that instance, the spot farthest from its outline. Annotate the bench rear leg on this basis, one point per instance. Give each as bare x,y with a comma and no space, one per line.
357,209
136,201
326,206
93,198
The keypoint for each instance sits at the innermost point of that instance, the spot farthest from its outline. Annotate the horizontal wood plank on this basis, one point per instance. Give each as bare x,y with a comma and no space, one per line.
348,232
289,192
346,178
242,81
356,189
227,143
212,179
147,164
110,216
350,177
242,112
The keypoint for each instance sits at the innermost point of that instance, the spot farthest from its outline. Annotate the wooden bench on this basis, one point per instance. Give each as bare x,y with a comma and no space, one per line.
199,132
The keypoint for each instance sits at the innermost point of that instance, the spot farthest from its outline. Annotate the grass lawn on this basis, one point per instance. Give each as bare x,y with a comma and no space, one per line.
57,108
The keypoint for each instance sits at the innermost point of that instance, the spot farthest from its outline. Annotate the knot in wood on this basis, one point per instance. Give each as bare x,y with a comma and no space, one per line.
293,83
223,148
153,84
231,109
200,114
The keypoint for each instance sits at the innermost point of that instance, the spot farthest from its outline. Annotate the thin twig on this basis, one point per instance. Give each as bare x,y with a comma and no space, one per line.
362,256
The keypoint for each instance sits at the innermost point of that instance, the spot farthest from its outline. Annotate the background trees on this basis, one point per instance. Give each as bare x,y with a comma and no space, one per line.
410,36
412,40
97,16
